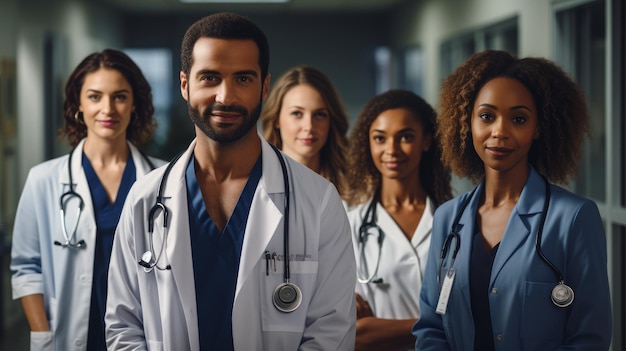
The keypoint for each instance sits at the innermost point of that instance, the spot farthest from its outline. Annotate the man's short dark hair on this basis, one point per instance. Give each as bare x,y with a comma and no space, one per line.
225,26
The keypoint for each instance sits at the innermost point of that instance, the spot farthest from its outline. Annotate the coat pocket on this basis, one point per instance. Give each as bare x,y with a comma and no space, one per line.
541,319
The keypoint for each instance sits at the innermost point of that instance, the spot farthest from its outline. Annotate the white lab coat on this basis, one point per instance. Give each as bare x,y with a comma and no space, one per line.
62,275
156,310
402,263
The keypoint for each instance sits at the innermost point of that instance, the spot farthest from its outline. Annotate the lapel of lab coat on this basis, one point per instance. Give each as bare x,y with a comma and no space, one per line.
530,203
264,215
263,221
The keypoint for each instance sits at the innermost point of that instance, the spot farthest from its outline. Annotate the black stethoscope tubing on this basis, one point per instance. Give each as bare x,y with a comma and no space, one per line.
287,296
370,221
81,204
562,294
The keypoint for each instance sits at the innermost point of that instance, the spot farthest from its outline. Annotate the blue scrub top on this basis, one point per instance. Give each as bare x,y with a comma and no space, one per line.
481,263
216,258
107,215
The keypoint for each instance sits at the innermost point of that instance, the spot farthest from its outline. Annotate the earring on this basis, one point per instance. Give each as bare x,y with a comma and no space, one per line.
76,115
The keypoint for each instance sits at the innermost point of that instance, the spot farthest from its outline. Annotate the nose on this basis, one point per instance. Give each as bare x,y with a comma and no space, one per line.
391,146
107,105
224,93
499,128
307,122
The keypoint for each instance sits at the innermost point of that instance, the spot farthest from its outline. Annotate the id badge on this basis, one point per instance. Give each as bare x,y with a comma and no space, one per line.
444,295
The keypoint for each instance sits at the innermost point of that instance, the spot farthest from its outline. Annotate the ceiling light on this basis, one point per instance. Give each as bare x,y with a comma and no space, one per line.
233,1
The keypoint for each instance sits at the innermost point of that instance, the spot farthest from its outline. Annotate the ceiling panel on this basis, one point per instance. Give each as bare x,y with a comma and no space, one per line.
326,6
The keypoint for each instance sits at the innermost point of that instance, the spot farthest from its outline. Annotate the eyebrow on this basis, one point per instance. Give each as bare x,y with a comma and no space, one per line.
115,92
400,131
238,73
518,107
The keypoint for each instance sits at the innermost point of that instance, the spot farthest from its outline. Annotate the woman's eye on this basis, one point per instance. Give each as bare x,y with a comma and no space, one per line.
321,115
378,139
519,120
485,116
93,97
296,113
407,138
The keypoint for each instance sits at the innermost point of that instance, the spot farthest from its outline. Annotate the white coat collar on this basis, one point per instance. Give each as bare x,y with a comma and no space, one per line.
263,220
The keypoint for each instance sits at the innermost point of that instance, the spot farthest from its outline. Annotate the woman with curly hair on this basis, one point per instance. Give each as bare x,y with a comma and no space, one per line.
305,118
60,263
518,263
397,182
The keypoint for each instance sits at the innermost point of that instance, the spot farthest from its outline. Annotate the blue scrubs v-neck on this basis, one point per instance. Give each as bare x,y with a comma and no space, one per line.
216,258
107,215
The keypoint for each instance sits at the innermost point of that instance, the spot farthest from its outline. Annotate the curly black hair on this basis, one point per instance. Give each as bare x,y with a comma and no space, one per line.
142,123
363,175
562,117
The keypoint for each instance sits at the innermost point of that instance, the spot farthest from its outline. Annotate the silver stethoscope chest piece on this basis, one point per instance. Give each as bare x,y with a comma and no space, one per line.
287,297
562,295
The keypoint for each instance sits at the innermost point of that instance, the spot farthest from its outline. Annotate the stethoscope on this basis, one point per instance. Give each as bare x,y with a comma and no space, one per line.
287,296
562,294
66,197
367,228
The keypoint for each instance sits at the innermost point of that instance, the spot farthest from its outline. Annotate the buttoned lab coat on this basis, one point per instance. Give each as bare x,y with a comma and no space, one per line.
522,313
156,310
63,275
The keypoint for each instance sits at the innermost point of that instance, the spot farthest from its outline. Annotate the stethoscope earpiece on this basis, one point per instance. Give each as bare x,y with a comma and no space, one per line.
287,297
562,295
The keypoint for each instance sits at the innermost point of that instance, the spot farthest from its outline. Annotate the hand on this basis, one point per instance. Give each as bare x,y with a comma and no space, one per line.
363,308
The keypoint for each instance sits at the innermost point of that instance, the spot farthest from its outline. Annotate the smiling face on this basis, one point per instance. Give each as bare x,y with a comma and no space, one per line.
504,125
106,103
224,89
304,123
397,141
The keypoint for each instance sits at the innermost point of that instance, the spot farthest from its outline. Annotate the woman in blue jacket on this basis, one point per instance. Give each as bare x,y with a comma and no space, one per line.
518,263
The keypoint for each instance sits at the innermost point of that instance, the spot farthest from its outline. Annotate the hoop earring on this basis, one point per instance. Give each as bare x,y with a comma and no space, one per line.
76,115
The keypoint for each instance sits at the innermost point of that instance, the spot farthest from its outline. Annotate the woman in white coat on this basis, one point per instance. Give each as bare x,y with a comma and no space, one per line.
60,263
397,181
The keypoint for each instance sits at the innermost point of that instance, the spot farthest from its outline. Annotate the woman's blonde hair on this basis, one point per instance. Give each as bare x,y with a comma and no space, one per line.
332,154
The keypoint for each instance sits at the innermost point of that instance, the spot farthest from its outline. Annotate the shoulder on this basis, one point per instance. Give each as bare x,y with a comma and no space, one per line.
48,170
451,206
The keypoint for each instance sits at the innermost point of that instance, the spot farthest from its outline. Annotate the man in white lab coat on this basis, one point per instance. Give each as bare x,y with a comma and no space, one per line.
232,246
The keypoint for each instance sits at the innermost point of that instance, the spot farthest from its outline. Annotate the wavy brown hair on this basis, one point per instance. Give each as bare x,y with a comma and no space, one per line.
363,175
332,155
142,123
563,120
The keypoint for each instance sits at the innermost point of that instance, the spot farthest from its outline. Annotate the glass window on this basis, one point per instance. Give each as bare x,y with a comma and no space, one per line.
156,65
581,50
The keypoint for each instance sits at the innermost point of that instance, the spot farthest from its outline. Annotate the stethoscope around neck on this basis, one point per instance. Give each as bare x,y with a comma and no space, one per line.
287,296
369,224
562,294
70,236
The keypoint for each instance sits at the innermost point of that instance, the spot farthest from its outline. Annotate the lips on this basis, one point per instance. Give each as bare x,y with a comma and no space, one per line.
308,141
499,152
391,164
108,123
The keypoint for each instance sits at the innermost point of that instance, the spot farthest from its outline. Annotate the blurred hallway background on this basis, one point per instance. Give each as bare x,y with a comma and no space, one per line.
365,47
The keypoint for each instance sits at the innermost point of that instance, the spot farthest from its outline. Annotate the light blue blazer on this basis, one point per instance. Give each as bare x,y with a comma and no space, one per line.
522,313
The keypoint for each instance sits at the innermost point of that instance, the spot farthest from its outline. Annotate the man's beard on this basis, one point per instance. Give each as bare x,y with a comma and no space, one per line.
224,136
